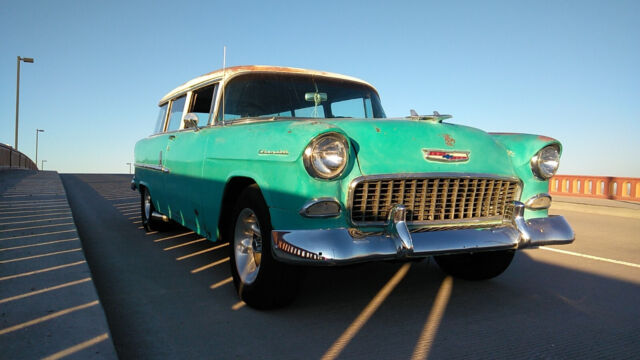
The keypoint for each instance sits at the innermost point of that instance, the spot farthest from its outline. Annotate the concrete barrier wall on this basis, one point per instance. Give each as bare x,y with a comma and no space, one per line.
9,158
603,187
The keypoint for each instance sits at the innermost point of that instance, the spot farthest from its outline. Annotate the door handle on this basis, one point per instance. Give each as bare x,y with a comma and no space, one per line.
172,137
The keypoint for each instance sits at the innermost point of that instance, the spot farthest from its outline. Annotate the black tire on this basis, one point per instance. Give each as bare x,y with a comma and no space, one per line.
146,209
267,283
476,266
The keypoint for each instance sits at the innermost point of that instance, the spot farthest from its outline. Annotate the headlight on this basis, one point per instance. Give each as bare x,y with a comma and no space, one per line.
326,156
544,164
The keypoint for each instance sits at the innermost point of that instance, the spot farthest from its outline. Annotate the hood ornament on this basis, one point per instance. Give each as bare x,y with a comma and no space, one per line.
436,117
445,155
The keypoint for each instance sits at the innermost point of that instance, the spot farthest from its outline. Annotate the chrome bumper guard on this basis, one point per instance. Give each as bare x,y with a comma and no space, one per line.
338,246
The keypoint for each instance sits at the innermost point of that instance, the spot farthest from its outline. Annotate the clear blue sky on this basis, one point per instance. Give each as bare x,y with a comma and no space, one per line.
567,69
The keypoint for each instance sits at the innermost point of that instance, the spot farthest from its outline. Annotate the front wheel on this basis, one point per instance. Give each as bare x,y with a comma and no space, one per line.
261,281
476,266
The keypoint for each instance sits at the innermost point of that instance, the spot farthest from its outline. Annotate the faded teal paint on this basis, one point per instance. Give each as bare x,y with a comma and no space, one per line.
521,148
202,162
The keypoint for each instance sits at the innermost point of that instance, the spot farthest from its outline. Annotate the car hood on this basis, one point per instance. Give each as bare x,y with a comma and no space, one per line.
386,146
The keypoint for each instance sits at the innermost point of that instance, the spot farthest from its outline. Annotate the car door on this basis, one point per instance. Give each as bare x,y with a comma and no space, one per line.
184,159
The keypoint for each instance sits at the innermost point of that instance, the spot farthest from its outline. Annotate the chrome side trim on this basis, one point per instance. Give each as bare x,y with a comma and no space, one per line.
152,167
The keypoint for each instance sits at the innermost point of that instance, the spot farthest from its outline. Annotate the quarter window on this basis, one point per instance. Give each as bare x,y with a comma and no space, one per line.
175,115
161,118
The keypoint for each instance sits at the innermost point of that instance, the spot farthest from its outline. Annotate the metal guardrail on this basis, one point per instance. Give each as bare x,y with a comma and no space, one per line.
603,187
10,158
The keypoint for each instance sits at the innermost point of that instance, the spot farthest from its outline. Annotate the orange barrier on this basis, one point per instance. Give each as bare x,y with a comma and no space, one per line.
603,187
15,159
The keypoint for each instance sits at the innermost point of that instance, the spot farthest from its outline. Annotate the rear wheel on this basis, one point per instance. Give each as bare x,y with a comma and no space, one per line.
476,266
261,281
146,209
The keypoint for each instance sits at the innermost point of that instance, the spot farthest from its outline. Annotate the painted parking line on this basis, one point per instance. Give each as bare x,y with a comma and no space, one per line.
39,256
591,257
38,244
78,347
36,292
41,234
35,227
47,317
41,270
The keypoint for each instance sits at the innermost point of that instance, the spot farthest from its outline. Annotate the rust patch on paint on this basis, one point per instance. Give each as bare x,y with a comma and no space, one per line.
377,129
546,138
448,139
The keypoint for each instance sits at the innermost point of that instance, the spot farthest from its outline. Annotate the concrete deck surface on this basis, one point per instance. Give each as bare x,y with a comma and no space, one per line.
49,307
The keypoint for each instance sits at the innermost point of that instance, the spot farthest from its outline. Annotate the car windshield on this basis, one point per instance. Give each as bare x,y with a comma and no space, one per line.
298,96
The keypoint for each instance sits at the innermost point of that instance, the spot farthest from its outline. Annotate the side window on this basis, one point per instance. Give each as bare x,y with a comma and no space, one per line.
202,101
161,117
175,115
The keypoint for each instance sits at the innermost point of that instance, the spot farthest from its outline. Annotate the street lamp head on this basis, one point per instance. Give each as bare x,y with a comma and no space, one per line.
39,130
28,60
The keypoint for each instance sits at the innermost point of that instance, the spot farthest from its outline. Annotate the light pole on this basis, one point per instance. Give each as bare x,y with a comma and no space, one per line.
129,168
27,60
42,167
37,131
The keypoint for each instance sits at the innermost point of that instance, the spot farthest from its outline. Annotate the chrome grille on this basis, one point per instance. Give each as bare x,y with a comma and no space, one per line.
433,200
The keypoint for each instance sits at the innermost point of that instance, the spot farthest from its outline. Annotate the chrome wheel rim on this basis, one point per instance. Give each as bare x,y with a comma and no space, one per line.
247,246
147,205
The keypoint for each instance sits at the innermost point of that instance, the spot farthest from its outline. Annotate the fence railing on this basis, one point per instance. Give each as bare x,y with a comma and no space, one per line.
10,158
604,187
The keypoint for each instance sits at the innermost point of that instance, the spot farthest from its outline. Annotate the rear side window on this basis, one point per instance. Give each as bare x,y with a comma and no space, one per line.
202,101
175,114
161,117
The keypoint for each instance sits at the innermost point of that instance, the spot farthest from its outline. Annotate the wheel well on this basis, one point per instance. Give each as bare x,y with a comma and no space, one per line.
231,192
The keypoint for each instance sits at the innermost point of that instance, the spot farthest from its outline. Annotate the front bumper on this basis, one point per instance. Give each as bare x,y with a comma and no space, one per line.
344,246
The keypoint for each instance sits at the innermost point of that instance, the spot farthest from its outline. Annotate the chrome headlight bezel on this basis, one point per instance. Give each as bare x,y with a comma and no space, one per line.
321,160
545,163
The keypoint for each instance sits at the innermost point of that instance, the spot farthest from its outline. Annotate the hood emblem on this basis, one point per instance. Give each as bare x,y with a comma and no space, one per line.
448,139
445,156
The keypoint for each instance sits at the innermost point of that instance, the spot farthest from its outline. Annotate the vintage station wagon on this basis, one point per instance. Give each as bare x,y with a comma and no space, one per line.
300,167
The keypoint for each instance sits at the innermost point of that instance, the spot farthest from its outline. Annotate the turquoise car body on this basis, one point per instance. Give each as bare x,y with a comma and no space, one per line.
193,173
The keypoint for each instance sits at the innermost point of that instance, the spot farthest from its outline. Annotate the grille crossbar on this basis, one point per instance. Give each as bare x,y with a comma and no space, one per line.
432,200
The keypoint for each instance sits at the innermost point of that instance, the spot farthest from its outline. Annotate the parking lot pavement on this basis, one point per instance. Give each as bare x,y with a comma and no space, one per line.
49,307
176,286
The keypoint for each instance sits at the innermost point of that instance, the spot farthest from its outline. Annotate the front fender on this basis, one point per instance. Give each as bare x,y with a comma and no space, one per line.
521,148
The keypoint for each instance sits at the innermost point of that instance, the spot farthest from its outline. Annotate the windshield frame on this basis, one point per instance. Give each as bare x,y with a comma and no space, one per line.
374,97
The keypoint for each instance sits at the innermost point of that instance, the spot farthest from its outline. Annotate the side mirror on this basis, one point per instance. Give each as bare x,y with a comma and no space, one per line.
190,121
